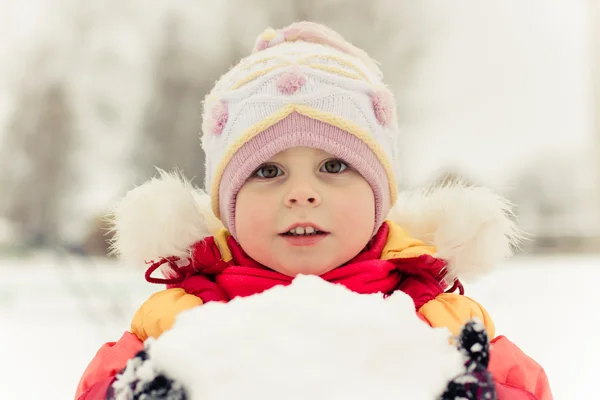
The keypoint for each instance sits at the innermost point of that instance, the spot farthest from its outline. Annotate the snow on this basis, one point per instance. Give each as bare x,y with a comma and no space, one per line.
56,312
549,308
312,339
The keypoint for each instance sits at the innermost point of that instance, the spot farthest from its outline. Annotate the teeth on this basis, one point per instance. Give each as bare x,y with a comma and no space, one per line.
309,230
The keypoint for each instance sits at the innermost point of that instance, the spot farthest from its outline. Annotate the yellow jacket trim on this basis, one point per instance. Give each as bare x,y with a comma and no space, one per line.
400,245
158,313
221,241
453,310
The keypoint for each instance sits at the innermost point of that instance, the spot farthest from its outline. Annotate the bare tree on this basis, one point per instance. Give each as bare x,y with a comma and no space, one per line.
35,160
171,129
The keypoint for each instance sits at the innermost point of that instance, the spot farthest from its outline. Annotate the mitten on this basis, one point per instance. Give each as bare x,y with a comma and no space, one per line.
476,382
140,380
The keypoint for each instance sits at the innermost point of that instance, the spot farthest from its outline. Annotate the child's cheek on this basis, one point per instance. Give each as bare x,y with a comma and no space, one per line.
357,206
253,208
254,218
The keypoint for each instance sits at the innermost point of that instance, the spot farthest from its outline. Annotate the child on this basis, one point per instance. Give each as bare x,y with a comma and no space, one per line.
300,143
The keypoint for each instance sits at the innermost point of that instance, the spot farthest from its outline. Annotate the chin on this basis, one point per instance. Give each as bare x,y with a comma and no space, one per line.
293,271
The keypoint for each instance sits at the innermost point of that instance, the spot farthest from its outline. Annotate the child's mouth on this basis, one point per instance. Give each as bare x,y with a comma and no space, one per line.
304,236
309,231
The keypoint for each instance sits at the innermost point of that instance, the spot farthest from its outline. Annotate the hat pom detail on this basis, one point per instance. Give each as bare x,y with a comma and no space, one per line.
289,82
383,106
217,119
268,38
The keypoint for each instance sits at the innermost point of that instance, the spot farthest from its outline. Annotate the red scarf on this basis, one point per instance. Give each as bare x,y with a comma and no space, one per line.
212,279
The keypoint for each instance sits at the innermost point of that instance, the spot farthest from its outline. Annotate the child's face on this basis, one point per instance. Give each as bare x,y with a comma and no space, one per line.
309,188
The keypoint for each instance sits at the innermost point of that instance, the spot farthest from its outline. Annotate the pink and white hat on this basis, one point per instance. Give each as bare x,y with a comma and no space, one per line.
303,85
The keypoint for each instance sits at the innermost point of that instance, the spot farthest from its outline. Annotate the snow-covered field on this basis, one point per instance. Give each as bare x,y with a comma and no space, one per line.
56,311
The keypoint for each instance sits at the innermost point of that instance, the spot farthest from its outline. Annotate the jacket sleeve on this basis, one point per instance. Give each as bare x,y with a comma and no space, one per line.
98,391
513,370
109,360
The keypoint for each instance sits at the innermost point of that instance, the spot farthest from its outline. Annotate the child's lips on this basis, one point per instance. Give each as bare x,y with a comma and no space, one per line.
305,225
304,240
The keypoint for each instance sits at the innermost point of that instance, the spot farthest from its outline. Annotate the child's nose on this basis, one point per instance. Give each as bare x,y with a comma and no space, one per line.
302,197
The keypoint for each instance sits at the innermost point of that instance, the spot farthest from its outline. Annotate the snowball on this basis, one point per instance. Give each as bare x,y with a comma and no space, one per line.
310,340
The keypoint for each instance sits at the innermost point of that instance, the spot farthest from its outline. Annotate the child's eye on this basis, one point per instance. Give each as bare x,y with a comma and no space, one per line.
268,171
334,166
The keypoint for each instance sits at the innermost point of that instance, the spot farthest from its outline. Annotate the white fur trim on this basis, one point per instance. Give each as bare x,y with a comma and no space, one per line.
472,228
161,218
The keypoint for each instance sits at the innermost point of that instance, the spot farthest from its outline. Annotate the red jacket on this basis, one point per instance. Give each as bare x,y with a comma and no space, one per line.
209,278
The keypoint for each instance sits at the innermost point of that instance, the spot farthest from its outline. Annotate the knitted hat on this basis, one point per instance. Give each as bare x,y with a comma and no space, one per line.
303,85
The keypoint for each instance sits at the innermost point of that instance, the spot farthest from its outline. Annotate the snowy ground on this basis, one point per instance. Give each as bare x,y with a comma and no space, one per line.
55,313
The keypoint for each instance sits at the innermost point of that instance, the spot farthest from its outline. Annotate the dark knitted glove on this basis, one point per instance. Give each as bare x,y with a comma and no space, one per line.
476,382
140,380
